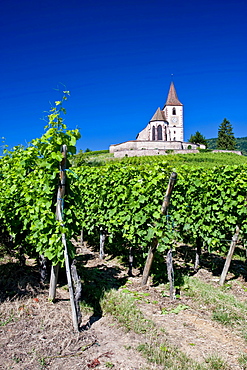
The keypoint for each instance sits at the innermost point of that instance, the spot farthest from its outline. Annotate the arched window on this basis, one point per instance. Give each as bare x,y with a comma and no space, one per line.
165,138
174,111
159,132
153,133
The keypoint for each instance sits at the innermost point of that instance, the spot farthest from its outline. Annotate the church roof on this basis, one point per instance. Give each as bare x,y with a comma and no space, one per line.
158,116
172,98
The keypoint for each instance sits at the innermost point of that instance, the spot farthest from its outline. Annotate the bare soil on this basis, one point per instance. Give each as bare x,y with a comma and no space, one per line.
37,334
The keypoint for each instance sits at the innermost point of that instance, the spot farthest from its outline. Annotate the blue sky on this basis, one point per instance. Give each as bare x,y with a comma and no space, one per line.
116,58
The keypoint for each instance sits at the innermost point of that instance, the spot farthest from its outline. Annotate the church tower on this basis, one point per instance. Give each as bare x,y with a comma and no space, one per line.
166,124
163,133
173,112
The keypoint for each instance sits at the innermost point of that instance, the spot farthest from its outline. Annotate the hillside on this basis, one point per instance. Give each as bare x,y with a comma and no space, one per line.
241,144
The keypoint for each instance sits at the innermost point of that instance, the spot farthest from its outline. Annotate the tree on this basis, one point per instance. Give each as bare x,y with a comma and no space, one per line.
198,138
226,139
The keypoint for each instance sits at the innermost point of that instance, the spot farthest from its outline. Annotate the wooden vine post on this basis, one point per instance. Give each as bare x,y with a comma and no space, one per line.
154,245
170,274
229,256
102,243
198,252
55,269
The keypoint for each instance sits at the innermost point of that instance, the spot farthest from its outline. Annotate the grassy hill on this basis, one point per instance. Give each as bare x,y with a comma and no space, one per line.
205,159
97,158
241,144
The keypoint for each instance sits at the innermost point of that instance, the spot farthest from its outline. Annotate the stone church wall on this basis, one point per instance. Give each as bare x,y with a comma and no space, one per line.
152,145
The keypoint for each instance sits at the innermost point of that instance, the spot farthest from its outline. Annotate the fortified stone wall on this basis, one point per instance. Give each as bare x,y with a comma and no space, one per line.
152,145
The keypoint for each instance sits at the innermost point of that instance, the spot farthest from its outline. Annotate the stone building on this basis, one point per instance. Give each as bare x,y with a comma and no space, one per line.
163,132
166,124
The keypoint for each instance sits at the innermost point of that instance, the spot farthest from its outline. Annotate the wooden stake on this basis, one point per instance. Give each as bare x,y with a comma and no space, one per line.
77,289
53,282
131,259
55,269
42,267
149,261
170,273
229,256
198,253
59,209
154,245
70,286
102,244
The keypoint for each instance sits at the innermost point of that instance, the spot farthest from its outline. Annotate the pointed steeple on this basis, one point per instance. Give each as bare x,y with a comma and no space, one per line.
172,98
158,116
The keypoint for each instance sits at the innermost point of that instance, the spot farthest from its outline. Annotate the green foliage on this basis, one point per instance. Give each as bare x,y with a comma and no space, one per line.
198,138
121,197
212,143
226,139
175,310
28,186
202,159
209,204
96,152
201,150
91,158
241,144
124,198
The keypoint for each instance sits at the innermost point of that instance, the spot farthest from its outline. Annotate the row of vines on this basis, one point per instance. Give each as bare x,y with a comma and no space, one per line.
125,200
121,199
28,185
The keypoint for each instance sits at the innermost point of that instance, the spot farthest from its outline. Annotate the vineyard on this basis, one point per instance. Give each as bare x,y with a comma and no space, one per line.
120,200
125,199
114,206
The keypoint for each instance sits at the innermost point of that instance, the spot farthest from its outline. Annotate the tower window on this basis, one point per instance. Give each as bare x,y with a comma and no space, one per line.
174,111
159,132
153,133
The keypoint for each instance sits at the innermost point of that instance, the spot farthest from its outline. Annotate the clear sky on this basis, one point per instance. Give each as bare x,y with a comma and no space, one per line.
116,58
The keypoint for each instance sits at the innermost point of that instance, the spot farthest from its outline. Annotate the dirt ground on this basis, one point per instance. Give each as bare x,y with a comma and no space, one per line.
37,334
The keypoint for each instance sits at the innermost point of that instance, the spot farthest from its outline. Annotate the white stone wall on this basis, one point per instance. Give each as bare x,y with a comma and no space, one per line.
144,134
177,126
152,145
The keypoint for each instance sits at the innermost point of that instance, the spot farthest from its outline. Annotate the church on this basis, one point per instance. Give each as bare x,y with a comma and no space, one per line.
164,132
